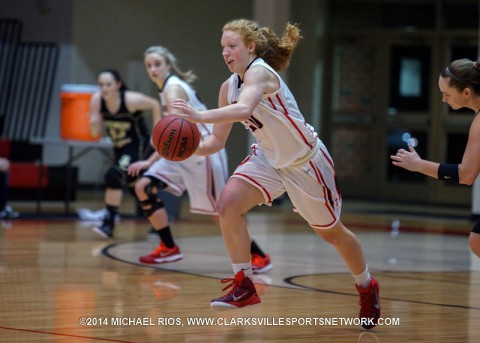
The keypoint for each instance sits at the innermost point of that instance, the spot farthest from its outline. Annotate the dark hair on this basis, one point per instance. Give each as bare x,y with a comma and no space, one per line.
463,73
116,77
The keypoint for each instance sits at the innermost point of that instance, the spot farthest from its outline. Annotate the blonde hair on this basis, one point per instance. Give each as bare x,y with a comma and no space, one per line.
276,51
187,76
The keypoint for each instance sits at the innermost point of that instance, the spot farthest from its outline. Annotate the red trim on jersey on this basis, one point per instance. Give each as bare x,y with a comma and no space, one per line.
285,113
327,193
210,183
326,157
257,184
323,226
334,176
272,104
245,160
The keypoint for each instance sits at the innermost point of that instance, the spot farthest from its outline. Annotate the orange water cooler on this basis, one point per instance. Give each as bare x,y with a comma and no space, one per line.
75,108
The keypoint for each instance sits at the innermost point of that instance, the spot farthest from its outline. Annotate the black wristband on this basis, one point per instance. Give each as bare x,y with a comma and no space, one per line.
449,172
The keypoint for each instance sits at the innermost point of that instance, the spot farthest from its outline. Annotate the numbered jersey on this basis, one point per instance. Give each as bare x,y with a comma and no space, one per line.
124,127
276,123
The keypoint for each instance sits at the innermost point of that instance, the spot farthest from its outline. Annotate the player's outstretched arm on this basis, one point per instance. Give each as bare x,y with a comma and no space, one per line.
410,160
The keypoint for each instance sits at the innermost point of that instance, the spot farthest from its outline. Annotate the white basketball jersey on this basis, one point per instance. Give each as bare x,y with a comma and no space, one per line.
276,123
192,98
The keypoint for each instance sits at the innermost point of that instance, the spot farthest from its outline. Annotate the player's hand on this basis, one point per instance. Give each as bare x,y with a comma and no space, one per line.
136,168
409,160
186,111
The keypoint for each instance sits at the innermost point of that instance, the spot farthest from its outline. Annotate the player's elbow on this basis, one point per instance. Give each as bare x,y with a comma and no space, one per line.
468,178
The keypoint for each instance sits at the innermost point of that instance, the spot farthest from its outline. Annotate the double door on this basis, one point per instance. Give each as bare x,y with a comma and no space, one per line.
384,95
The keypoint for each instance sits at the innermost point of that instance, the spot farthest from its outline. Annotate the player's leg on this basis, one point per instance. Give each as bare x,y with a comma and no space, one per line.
147,189
114,180
237,198
348,246
253,183
215,168
314,194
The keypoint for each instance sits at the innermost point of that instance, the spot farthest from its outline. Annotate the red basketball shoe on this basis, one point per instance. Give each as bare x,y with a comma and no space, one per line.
369,304
162,255
243,293
261,264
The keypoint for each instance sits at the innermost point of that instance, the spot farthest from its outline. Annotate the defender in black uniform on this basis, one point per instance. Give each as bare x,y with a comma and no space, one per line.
117,112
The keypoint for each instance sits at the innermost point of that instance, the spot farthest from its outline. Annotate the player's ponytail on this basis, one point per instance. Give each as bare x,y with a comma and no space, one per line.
276,51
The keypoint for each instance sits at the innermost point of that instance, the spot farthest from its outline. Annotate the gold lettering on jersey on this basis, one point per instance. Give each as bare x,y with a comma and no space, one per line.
118,132
122,143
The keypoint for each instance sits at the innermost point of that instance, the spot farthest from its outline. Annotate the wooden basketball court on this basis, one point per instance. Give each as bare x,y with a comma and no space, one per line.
60,282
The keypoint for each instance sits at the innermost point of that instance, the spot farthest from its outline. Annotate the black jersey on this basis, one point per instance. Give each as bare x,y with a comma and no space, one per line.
124,127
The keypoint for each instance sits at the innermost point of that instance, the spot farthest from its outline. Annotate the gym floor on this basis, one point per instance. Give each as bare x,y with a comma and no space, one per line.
63,283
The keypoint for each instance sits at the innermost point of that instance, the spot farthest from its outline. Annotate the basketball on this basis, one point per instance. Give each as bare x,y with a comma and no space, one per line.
174,138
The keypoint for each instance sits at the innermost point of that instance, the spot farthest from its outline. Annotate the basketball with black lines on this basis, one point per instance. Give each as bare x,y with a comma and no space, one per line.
174,138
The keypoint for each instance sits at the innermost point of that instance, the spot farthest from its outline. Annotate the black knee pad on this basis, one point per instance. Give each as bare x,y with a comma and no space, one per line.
154,187
153,202
114,178
150,206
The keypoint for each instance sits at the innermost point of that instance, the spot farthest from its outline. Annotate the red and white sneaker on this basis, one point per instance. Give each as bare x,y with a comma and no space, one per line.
261,264
162,255
369,304
243,293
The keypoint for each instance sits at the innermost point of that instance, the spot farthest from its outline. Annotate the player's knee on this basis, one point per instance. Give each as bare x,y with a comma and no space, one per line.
114,178
228,203
140,187
220,206
334,235
151,205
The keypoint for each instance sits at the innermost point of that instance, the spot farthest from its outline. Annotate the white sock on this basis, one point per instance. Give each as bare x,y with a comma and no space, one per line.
363,279
246,267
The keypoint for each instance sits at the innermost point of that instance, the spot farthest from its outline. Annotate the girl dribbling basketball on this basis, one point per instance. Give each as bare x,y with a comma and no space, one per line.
203,177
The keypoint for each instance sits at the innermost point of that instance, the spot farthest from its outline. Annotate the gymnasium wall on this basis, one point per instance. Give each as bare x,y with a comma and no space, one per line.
95,34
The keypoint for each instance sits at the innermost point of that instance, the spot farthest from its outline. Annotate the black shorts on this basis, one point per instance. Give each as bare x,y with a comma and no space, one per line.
129,154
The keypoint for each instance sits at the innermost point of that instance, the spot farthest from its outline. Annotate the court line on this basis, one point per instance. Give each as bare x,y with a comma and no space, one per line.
290,279
64,335
297,286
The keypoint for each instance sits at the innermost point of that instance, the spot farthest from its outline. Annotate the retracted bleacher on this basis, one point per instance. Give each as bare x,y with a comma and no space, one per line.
27,75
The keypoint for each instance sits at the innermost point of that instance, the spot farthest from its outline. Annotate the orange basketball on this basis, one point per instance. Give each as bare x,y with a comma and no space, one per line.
174,138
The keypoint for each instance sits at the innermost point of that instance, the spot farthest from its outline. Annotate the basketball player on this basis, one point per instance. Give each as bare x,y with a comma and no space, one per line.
203,177
288,157
118,112
459,84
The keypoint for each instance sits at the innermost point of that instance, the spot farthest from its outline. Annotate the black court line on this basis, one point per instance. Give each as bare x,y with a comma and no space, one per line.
290,281
300,287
